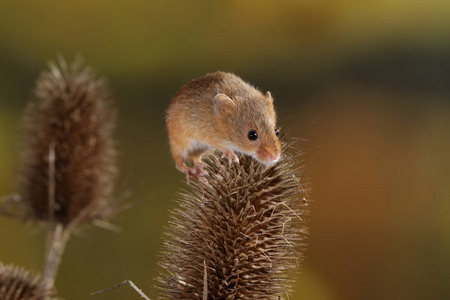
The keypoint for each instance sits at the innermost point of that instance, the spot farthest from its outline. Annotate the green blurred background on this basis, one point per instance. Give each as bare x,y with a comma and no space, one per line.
365,85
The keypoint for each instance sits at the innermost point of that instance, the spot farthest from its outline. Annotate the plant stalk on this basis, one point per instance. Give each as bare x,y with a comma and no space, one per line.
56,243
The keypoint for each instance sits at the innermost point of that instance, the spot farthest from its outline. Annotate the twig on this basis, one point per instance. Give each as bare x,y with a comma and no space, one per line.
106,225
122,284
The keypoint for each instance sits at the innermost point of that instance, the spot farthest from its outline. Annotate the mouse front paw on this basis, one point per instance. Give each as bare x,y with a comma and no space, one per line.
232,157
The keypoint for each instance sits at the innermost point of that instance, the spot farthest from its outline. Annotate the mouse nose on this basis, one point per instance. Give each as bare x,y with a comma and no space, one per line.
269,156
274,157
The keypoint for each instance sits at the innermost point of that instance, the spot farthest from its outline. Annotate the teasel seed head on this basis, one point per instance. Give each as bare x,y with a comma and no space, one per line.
69,158
18,284
239,236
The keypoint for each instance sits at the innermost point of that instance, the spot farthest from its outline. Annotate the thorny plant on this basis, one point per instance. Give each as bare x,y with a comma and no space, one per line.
68,162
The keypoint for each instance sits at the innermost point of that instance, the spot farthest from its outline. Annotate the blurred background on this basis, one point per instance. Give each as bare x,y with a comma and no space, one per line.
365,85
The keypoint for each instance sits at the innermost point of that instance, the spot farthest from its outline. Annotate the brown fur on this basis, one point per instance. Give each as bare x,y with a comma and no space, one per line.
196,121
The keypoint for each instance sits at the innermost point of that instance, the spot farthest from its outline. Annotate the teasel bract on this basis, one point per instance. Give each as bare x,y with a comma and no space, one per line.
69,158
239,236
18,284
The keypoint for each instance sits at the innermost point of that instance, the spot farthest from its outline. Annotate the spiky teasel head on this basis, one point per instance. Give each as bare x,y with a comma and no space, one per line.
18,284
69,160
239,236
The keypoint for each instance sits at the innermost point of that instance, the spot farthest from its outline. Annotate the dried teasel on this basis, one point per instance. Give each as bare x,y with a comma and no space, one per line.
18,284
69,158
239,236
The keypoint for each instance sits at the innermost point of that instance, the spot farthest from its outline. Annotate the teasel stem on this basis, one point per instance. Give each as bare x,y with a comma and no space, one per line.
57,236
57,239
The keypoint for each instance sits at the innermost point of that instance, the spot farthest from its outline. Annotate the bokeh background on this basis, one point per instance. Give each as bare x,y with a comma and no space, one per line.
364,85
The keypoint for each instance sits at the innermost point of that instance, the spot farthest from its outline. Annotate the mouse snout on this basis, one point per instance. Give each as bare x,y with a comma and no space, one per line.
268,155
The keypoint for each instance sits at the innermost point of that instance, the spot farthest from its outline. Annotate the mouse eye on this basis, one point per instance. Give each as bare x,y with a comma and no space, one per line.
277,131
252,135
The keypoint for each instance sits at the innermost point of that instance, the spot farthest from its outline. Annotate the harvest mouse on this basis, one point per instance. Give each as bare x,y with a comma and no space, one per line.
220,110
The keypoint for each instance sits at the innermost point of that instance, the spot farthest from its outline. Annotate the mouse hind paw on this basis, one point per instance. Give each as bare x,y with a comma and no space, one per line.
198,172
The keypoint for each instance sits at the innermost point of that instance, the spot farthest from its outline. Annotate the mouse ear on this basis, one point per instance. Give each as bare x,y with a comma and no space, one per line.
269,96
221,102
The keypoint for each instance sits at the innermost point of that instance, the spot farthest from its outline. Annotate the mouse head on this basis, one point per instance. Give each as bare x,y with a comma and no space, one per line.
248,125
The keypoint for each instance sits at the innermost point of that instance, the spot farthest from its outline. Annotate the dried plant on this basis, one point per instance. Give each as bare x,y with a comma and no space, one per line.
69,158
18,284
239,236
